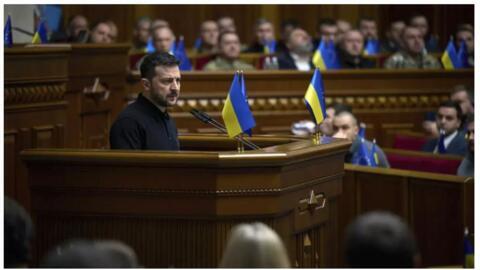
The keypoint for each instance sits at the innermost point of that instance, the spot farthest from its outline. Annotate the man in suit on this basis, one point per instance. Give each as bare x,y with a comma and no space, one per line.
265,34
299,54
351,51
449,120
345,126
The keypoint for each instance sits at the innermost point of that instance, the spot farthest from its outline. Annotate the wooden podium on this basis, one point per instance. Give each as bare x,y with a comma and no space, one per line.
176,209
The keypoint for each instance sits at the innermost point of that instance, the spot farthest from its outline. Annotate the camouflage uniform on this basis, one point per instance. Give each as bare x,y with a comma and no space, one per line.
402,60
220,63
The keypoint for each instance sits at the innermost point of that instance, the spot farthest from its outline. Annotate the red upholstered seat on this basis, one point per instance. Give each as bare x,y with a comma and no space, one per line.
409,142
423,162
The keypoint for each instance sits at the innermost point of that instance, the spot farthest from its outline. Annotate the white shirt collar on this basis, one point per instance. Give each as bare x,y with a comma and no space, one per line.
302,63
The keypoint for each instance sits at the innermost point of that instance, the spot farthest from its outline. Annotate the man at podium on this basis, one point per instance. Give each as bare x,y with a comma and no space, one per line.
146,124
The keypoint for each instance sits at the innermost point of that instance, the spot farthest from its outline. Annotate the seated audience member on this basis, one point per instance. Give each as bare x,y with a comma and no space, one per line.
286,27
209,37
254,246
429,125
351,51
265,34
163,39
327,30
449,121
76,32
413,54
343,26
113,31
380,240
101,33
466,168
326,127
465,33
226,24
420,21
393,37
17,234
91,254
229,52
345,126
464,97
141,34
299,54
368,28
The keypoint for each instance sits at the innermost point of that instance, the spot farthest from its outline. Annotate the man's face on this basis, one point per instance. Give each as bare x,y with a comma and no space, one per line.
368,29
164,88
226,24
327,125
396,31
101,34
421,23
230,46
344,127
470,136
413,40
79,23
343,27
163,39
142,32
209,33
265,33
328,33
353,43
113,32
447,120
461,98
467,37
300,42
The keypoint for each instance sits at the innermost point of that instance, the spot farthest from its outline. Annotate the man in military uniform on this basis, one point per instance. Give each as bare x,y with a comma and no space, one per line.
413,53
229,51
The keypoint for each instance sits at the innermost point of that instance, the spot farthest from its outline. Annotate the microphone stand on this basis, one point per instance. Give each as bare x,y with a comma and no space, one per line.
202,116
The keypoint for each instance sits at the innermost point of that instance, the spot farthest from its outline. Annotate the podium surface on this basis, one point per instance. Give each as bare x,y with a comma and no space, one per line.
176,209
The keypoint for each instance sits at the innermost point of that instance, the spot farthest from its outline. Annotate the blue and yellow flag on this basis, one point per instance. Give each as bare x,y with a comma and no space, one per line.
373,154
449,56
7,33
372,47
325,57
41,34
198,44
270,47
361,156
314,98
236,112
181,55
462,55
468,251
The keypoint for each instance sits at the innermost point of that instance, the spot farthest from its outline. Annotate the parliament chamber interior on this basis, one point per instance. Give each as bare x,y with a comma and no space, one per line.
238,136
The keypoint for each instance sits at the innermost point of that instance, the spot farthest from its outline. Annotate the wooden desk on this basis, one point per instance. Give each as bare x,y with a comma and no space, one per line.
386,100
176,209
436,207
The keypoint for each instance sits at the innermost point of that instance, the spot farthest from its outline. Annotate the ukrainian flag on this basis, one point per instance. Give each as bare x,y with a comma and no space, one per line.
7,33
182,56
236,113
462,55
314,98
41,34
374,155
449,56
325,57
269,47
372,47
468,251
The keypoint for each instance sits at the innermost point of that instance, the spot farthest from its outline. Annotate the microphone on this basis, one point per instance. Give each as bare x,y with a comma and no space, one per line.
204,117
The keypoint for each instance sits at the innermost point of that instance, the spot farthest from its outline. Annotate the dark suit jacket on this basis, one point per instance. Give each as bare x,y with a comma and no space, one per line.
458,146
285,61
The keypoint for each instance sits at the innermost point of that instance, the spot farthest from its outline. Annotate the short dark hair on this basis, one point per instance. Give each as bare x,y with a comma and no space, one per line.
368,19
464,27
147,68
327,22
96,23
456,106
18,232
289,22
339,107
416,15
224,33
379,239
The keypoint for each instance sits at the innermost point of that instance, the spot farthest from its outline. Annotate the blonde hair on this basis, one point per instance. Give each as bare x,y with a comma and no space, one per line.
254,246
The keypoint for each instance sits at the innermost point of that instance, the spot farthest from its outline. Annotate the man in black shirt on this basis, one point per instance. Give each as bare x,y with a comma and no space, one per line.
351,51
145,124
